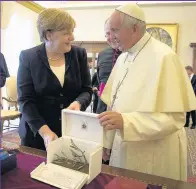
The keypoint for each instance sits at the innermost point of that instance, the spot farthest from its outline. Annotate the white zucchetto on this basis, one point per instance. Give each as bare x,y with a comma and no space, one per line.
132,10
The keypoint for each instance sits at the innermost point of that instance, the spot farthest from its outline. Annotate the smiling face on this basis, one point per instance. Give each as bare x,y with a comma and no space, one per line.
125,36
56,27
108,36
60,41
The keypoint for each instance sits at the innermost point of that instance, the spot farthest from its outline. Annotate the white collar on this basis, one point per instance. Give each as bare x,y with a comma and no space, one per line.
191,76
139,44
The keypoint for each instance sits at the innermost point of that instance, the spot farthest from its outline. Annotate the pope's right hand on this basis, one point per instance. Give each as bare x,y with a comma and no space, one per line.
47,135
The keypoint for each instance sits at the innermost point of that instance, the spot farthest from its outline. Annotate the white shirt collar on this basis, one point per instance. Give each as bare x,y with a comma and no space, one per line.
191,76
140,43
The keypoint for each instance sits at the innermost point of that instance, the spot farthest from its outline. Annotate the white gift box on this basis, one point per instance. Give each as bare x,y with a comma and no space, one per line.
75,159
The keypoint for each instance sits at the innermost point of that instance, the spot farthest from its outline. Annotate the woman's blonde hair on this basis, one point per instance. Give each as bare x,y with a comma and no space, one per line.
53,19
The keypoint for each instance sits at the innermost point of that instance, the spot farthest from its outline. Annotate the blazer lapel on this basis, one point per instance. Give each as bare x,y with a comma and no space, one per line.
67,60
43,56
42,53
67,66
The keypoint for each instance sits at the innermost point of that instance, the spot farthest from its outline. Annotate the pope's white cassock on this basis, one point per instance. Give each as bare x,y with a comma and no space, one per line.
152,100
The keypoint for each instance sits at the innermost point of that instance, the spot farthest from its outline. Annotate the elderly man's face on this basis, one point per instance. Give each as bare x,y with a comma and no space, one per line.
108,36
122,35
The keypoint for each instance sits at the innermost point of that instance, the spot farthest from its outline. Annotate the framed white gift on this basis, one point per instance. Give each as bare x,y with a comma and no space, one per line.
75,159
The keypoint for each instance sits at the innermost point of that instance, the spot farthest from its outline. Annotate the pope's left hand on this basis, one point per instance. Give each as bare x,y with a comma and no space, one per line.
74,106
111,120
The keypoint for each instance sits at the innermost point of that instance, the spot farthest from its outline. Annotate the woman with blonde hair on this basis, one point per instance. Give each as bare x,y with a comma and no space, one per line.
51,77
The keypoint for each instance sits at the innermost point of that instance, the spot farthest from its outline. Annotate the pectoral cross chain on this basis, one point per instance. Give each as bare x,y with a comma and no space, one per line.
120,82
117,88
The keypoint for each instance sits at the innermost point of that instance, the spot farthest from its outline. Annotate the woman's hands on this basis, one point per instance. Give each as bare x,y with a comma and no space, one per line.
47,135
74,106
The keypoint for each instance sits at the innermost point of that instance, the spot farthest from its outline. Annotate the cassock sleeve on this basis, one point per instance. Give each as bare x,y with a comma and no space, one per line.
150,126
108,138
106,94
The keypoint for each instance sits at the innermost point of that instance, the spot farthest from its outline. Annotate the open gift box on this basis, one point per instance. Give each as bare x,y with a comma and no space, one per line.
74,159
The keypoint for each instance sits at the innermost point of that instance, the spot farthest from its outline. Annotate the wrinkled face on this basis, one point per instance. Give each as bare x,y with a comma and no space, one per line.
108,36
121,34
60,40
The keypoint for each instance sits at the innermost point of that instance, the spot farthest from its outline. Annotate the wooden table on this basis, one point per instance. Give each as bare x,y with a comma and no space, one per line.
170,184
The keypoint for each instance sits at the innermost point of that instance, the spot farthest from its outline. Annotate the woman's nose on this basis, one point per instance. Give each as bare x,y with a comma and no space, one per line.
71,37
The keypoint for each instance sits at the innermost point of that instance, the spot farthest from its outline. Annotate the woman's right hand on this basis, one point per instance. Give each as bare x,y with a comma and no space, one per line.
47,135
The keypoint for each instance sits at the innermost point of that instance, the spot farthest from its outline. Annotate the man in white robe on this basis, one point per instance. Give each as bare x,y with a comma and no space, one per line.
147,93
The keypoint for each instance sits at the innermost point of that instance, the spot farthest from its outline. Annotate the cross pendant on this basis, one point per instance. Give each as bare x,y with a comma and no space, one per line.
113,100
117,88
114,97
